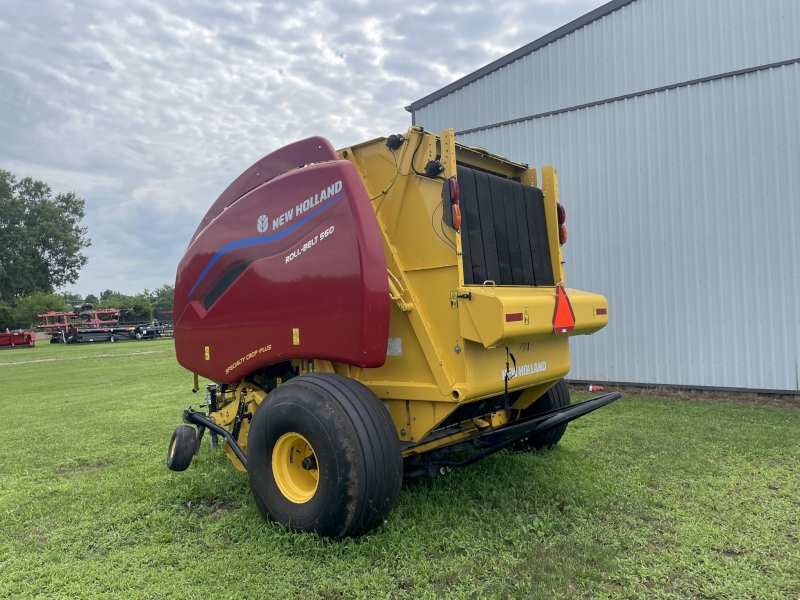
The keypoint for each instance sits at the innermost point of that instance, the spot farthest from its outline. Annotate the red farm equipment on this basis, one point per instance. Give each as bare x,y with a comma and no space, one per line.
84,324
18,338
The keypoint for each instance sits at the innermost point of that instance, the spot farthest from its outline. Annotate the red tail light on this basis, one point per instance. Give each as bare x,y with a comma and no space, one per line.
454,190
450,190
562,214
562,235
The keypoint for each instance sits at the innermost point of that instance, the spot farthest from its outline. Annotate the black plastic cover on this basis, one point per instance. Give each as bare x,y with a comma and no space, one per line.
503,231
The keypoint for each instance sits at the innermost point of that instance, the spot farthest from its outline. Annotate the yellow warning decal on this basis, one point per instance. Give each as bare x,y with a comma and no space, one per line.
526,318
296,336
453,299
208,353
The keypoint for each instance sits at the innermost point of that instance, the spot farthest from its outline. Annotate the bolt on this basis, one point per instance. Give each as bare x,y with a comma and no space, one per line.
457,349
309,463
402,432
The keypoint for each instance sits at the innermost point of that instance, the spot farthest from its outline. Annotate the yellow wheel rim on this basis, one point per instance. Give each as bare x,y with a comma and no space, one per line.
296,482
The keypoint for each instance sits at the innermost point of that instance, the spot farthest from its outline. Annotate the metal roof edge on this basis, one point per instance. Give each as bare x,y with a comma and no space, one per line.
597,13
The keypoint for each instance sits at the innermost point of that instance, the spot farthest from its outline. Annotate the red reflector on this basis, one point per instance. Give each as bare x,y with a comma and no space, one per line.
454,191
511,317
601,311
562,214
562,234
563,316
456,217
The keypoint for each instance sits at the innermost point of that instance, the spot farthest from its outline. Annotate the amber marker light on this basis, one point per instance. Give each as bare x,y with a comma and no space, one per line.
456,217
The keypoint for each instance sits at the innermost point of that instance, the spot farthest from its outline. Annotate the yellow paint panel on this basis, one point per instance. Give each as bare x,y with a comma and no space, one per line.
489,306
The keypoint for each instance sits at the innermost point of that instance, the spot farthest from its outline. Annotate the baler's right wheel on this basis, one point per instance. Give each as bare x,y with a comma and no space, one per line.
556,397
323,456
182,447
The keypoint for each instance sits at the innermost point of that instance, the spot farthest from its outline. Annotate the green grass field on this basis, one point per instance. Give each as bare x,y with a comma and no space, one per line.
647,498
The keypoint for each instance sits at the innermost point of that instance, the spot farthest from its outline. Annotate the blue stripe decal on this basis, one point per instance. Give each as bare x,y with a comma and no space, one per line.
259,240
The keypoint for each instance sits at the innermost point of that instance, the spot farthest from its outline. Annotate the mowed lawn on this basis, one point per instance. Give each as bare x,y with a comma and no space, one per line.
647,498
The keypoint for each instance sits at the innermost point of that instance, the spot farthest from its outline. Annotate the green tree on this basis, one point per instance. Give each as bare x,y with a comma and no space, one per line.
92,299
108,294
71,298
40,237
24,313
162,297
6,316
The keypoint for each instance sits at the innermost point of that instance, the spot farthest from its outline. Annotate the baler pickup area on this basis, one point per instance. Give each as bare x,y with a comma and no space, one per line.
395,308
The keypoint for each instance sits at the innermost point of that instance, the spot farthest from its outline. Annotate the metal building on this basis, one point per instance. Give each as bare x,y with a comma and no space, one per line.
675,129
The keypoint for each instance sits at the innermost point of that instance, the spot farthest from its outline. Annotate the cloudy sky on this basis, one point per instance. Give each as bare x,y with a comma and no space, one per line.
148,110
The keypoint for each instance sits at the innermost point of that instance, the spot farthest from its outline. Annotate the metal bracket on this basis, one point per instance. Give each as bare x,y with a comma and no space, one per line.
396,292
192,417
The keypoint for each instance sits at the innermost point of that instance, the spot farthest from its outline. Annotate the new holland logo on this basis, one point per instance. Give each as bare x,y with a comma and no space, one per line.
263,223
523,370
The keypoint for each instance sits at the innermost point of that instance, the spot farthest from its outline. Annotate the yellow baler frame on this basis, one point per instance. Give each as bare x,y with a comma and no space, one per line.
453,349
426,281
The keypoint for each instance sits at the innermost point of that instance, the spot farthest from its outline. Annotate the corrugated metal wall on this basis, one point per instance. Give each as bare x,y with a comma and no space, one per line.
684,210
644,45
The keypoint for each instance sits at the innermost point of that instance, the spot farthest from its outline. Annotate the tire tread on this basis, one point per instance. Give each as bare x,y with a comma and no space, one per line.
556,397
376,440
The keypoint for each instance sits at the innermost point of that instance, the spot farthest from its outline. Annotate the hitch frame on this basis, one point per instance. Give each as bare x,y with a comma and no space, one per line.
503,437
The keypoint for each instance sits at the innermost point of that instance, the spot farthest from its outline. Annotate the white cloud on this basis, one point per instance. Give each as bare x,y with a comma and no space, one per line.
149,109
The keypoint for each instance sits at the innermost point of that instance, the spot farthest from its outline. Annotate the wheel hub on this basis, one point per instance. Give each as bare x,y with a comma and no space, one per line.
294,467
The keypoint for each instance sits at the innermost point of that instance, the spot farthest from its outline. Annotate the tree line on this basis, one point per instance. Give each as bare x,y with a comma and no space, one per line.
41,244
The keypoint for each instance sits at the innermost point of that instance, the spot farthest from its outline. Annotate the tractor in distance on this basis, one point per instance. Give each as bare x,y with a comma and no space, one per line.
394,309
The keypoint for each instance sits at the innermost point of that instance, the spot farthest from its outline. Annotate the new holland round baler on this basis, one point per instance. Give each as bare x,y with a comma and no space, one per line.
396,308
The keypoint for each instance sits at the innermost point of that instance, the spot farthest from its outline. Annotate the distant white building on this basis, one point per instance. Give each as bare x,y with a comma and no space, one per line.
675,129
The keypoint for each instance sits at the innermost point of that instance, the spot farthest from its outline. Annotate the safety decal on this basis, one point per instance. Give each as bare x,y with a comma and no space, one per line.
395,347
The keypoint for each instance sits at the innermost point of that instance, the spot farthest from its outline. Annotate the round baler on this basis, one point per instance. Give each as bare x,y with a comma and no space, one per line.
394,309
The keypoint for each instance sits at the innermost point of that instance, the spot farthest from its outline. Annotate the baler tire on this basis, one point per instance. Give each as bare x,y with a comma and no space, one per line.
355,445
182,447
556,397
